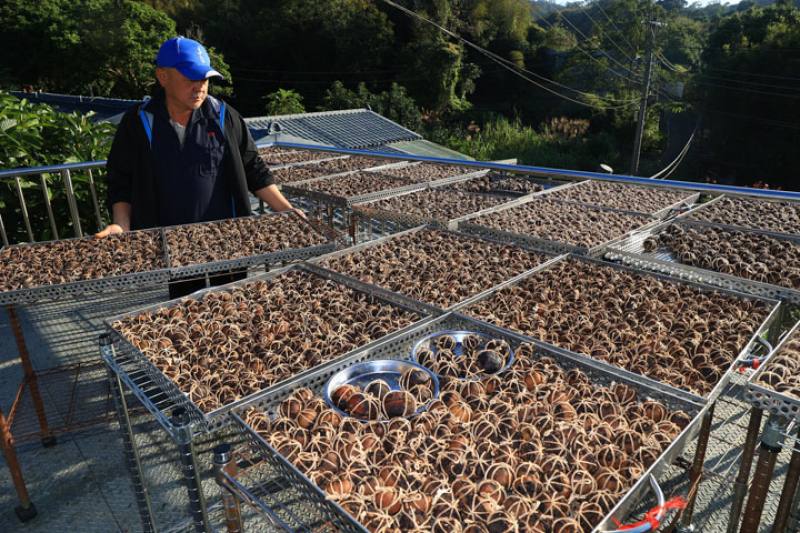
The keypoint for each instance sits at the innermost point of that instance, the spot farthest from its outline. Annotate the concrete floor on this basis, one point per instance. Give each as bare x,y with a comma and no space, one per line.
83,484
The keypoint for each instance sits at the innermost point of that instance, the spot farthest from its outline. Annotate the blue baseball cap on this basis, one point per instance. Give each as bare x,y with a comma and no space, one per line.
188,56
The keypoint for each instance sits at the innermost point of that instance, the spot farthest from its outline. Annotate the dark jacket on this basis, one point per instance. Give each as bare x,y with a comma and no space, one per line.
130,168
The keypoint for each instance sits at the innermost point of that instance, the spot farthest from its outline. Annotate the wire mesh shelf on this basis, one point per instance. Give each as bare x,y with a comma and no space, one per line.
400,348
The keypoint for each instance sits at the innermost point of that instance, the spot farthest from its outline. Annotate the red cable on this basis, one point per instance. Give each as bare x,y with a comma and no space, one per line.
651,516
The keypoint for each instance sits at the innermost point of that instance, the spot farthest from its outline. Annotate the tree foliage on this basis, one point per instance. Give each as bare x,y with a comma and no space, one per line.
96,47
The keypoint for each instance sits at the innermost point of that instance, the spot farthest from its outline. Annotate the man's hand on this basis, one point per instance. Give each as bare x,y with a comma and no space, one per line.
300,213
111,229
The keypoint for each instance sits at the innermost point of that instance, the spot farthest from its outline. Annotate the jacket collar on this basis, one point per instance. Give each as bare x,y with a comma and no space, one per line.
158,106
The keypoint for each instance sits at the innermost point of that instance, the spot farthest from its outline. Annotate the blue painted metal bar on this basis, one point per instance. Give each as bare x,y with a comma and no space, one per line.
560,173
520,169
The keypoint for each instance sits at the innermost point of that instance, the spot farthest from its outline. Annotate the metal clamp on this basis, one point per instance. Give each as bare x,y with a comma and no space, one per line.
754,361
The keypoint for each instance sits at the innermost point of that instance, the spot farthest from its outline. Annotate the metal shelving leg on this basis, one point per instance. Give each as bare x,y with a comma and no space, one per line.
131,453
26,510
48,439
789,491
197,504
771,443
230,503
696,471
794,519
740,485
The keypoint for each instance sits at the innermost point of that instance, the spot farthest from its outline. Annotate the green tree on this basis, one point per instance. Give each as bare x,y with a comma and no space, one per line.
98,47
284,102
35,135
749,98
394,104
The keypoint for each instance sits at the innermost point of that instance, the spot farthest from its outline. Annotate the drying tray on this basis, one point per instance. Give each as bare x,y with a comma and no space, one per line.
278,257
298,188
768,329
319,260
375,168
734,227
135,280
689,201
772,401
363,210
466,225
160,395
399,348
630,250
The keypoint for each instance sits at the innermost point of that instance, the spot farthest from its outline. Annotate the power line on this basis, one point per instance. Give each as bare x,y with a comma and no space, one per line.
754,118
585,38
613,24
753,83
596,25
669,169
508,65
745,89
754,74
590,56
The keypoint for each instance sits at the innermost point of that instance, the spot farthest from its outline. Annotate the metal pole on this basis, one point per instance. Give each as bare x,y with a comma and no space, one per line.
771,443
31,380
50,217
223,464
697,465
789,491
73,206
740,485
132,458
794,519
24,207
191,475
3,232
95,203
25,510
637,143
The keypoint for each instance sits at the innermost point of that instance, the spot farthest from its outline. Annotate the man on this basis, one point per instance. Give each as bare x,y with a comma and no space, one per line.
184,156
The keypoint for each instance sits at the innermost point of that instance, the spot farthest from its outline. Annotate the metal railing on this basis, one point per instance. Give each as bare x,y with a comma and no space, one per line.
66,171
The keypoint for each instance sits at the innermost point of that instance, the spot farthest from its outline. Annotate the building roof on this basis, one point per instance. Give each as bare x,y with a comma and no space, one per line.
105,109
350,128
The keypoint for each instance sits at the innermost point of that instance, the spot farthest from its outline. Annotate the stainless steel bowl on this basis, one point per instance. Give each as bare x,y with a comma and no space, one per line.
429,343
360,375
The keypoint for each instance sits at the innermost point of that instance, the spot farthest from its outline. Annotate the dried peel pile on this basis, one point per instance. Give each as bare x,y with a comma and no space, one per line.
238,238
436,267
541,448
671,332
52,263
231,343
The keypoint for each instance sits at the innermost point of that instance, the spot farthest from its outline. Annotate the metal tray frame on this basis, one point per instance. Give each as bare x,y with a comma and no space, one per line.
629,251
768,328
400,348
537,242
688,201
58,291
270,258
733,227
296,188
383,240
382,215
772,401
160,395
376,168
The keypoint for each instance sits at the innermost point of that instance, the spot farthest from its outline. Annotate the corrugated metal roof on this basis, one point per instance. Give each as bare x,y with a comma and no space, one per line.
108,109
351,128
426,148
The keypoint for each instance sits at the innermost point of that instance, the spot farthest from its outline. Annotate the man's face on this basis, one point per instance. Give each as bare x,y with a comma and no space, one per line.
190,94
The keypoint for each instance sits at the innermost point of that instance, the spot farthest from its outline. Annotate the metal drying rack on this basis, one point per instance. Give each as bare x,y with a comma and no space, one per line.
245,487
468,226
455,234
630,250
131,370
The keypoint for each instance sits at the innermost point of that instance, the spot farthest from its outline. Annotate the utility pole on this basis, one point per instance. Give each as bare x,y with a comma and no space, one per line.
637,143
